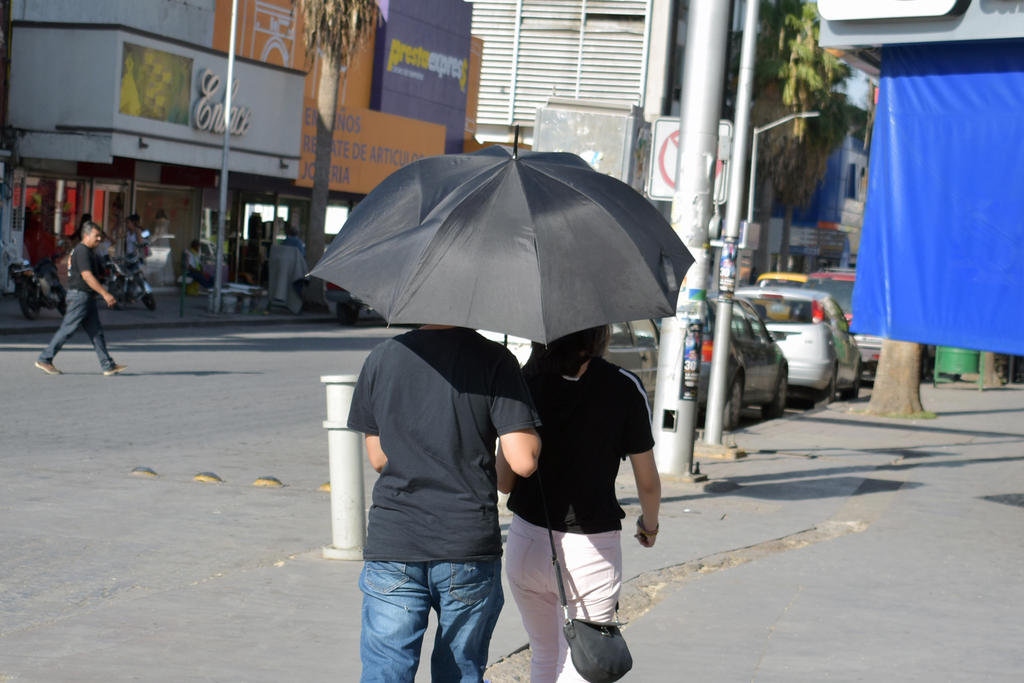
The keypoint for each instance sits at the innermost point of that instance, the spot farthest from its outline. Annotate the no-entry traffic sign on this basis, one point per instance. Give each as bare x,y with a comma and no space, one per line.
661,181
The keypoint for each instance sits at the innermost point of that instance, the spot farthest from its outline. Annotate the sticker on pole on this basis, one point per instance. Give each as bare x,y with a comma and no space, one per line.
661,181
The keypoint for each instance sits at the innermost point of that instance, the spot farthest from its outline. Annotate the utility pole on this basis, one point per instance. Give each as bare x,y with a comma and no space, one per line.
218,283
675,407
727,266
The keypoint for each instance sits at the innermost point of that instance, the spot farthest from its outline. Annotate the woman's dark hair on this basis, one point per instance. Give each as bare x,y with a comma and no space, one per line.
565,355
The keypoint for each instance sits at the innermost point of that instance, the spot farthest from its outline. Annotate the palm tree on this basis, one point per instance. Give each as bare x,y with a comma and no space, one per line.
794,74
335,29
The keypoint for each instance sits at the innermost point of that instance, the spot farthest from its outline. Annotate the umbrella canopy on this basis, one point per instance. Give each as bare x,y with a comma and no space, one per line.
537,245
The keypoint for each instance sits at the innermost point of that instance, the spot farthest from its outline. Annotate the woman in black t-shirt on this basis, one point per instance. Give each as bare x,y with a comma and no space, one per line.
594,414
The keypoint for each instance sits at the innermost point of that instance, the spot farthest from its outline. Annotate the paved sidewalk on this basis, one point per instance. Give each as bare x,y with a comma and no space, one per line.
172,311
849,548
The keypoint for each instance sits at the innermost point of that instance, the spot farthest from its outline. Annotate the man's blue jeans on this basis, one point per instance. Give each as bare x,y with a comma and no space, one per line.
397,600
82,312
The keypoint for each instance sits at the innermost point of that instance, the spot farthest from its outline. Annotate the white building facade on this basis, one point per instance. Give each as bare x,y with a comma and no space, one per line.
623,52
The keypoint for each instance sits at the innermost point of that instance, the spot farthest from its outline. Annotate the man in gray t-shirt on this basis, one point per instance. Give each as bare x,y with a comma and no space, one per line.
84,272
431,403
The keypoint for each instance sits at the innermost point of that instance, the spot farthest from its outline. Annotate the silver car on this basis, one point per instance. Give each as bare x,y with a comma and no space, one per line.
810,328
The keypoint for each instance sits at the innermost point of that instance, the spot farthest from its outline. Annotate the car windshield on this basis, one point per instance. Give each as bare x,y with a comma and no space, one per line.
776,308
840,290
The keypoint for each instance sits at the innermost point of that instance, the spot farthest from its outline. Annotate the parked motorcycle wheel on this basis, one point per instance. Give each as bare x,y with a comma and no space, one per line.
25,302
348,314
149,301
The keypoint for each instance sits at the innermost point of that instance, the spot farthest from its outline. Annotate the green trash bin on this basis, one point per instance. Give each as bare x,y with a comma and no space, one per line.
950,360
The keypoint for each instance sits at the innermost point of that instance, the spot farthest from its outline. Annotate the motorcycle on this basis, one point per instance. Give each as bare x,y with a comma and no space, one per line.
37,287
125,280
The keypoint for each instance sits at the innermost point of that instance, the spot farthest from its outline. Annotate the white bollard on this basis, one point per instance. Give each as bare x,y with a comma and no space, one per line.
345,450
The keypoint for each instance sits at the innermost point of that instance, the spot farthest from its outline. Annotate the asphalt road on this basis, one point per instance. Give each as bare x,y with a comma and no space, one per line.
240,404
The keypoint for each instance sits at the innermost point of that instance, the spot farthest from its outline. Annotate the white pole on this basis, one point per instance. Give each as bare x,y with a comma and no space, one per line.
218,283
345,452
714,419
675,401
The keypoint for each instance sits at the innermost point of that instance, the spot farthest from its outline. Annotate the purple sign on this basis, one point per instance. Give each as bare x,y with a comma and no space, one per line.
421,64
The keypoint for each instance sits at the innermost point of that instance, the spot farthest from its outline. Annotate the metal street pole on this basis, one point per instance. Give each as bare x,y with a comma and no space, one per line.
727,265
727,271
218,284
675,407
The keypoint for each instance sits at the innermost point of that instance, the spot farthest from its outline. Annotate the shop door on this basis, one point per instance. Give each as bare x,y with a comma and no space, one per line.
109,211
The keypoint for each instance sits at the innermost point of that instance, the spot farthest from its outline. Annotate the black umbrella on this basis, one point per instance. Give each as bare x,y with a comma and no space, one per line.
537,245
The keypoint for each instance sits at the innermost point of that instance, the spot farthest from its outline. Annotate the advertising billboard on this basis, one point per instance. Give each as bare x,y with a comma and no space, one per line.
422,64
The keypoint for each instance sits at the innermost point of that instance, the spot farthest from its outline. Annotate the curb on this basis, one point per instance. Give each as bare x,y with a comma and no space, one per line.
183,322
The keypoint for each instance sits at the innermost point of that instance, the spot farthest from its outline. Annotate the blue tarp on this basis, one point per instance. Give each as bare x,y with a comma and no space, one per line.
941,258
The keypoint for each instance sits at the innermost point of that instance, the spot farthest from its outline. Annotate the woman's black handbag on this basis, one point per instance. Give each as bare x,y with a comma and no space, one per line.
598,651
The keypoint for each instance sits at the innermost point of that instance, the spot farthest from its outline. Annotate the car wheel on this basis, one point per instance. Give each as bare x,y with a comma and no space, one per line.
853,392
777,406
733,405
347,314
828,394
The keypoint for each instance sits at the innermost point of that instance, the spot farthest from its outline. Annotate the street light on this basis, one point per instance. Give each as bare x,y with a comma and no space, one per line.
753,154
719,358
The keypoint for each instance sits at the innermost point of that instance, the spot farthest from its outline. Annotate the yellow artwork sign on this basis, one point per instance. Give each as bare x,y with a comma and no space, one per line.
155,84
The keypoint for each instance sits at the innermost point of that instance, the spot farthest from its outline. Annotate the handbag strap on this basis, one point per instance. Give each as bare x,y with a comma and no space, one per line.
551,540
554,555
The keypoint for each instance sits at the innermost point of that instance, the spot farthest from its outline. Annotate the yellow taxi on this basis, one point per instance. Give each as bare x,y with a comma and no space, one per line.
780,279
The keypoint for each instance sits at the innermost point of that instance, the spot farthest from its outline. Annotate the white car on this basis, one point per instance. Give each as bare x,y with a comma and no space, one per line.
810,328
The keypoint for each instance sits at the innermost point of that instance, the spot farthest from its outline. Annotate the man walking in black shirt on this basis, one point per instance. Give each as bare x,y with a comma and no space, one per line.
82,311
432,403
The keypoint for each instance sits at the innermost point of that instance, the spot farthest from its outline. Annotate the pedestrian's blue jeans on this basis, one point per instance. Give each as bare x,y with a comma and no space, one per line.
82,311
397,600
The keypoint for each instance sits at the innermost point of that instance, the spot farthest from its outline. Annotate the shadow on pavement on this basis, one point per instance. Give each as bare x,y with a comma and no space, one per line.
193,373
1015,499
118,341
946,413
794,489
917,427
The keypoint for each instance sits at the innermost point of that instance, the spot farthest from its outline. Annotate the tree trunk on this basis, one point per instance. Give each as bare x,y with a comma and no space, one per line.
991,377
327,107
764,256
897,389
787,222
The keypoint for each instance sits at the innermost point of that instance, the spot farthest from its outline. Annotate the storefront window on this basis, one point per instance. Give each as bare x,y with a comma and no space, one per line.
265,213
172,217
109,211
52,209
336,217
264,218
